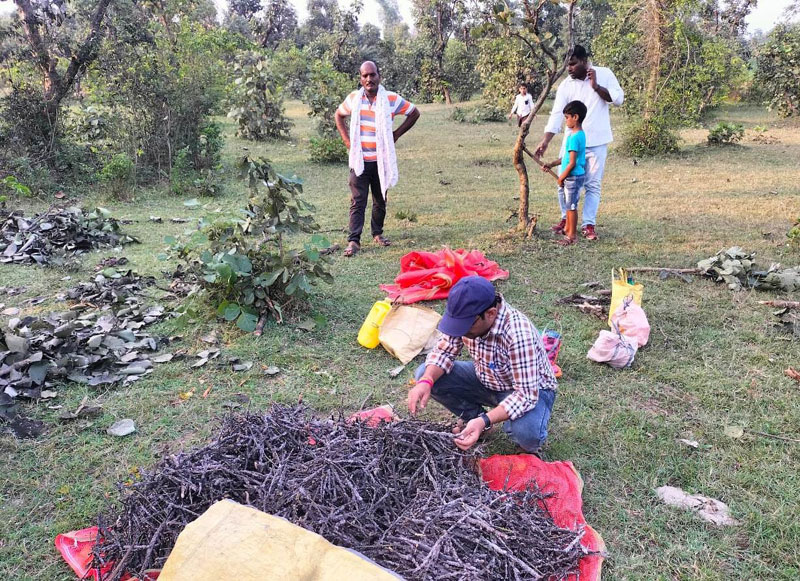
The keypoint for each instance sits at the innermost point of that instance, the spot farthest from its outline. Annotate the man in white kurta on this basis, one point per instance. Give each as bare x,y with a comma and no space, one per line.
597,88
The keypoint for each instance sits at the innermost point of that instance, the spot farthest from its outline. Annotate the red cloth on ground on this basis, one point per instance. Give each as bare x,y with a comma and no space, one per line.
566,506
428,276
76,549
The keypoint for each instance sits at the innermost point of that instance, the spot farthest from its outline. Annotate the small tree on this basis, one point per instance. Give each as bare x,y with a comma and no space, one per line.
326,89
529,27
779,69
247,265
258,101
42,24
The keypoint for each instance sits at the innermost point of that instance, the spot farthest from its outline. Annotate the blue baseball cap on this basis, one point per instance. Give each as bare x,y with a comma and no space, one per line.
468,298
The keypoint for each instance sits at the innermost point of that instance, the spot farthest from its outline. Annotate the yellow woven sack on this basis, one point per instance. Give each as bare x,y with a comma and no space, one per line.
236,542
621,288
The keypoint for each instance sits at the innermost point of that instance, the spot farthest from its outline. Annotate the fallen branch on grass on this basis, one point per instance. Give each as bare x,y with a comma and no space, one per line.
589,304
781,304
399,493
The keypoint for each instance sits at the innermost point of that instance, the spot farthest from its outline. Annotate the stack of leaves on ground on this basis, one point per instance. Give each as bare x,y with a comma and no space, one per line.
737,269
57,234
399,493
83,344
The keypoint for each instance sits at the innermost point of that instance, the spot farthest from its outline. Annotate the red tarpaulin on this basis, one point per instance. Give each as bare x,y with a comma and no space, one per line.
428,276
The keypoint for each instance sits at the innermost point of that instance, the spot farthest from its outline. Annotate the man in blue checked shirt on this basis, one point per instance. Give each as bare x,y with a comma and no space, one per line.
509,372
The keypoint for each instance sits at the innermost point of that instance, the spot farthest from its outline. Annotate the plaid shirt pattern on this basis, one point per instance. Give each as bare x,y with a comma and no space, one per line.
510,356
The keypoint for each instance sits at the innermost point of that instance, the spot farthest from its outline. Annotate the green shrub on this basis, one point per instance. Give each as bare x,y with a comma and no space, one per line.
258,101
647,137
247,266
484,113
117,174
13,185
725,133
327,150
186,181
794,233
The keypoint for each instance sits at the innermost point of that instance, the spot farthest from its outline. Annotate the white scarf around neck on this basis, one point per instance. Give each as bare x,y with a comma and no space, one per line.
384,139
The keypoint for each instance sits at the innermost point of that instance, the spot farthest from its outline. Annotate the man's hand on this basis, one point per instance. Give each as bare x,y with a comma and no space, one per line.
541,148
470,434
418,397
560,182
591,74
510,115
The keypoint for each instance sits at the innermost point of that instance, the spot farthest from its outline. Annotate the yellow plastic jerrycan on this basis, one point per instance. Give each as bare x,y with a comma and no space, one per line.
368,335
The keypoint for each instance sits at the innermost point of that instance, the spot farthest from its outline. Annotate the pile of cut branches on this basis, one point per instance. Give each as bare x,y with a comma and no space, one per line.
400,493
57,234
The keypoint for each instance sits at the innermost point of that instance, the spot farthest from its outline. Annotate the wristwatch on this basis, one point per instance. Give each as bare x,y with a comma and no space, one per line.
486,421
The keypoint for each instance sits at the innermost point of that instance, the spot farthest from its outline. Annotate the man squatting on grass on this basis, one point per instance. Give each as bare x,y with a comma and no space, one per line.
370,141
509,372
596,87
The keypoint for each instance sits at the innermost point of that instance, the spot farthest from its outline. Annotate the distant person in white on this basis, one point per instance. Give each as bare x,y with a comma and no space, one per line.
596,87
523,104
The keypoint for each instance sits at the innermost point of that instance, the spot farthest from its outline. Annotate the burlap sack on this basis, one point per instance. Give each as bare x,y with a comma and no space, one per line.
406,330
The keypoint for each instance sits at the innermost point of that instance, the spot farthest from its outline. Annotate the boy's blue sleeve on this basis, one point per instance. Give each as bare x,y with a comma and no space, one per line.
572,144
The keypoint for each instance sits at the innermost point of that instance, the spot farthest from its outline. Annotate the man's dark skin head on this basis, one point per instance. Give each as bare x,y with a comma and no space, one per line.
577,67
370,78
578,63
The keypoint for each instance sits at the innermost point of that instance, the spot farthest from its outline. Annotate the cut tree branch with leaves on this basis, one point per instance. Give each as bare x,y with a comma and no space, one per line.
525,26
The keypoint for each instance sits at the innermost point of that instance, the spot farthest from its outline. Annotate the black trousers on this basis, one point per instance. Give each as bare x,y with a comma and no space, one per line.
359,190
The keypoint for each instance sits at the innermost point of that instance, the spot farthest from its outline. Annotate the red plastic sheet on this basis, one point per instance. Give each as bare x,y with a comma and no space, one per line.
428,276
76,549
566,506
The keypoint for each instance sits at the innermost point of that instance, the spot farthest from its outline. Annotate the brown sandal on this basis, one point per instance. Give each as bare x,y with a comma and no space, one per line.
382,240
566,241
352,249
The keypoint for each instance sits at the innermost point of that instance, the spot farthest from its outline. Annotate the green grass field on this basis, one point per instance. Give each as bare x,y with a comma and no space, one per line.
714,359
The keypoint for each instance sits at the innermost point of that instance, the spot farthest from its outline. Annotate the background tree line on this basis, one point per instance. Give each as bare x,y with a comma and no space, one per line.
125,90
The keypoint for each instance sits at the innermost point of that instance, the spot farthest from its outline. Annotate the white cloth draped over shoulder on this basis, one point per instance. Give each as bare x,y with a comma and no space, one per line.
384,139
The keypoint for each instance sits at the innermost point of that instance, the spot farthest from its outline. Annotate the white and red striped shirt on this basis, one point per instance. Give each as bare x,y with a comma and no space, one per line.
398,105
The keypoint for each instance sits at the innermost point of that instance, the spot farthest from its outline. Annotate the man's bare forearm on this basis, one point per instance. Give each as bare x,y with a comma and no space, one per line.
409,122
343,130
604,94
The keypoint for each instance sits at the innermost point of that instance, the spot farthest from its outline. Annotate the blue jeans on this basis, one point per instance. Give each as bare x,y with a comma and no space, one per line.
461,392
569,194
595,167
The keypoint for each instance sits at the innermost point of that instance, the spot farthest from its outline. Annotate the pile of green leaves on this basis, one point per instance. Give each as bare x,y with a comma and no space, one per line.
736,268
85,345
725,133
58,234
246,265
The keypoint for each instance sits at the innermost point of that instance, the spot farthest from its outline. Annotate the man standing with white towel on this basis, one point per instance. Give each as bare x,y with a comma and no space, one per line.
370,140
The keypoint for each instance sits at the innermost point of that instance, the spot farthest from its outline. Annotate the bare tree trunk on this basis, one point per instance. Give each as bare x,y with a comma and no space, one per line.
556,68
55,85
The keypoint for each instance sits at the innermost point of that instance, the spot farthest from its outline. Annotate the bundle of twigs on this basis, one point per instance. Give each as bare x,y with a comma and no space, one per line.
400,493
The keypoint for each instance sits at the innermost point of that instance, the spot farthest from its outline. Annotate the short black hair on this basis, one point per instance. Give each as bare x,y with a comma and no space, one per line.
496,303
576,108
579,52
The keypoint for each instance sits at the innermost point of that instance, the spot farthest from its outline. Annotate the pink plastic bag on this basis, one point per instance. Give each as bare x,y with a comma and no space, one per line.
616,349
631,321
